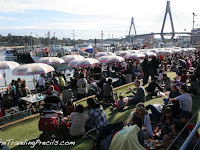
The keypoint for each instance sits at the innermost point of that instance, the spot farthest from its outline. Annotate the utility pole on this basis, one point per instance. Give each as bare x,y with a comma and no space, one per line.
192,34
102,38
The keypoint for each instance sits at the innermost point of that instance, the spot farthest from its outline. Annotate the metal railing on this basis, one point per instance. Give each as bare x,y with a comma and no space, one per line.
189,138
16,116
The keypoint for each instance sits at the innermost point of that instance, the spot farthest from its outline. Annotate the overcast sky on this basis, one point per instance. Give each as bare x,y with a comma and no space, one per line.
89,17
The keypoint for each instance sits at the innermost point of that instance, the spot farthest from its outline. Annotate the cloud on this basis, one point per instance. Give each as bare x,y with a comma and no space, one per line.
107,15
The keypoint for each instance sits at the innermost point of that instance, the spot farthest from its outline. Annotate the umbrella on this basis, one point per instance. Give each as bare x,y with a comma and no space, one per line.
133,51
0,76
104,54
122,53
135,56
73,63
164,51
150,54
110,59
68,58
87,62
7,65
153,50
51,60
32,69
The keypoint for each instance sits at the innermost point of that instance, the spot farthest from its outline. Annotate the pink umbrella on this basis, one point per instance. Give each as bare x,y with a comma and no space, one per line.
87,62
51,60
110,59
68,58
104,54
135,56
122,53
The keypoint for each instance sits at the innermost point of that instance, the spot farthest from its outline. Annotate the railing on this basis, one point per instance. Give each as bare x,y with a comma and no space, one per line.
189,138
16,116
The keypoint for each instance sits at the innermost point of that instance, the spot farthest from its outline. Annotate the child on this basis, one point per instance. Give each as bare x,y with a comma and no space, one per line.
120,103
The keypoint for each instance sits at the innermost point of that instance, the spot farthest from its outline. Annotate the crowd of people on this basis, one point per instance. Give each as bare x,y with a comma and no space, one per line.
163,123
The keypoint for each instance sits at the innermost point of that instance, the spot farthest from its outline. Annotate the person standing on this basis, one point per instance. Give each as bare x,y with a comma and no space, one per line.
145,68
41,82
82,87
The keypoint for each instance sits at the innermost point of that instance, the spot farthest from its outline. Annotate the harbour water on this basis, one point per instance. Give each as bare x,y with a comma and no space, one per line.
10,76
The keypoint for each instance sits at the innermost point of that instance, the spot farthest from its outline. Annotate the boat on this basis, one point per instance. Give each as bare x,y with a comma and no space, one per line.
47,52
83,49
10,53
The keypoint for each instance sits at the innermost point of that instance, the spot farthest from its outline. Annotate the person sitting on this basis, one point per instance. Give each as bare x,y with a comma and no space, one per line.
13,89
140,110
186,119
56,88
120,103
166,121
130,137
92,87
24,91
61,80
184,99
151,89
82,87
78,121
139,96
55,79
174,92
52,91
194,86
166,82
184,77
108,91
178,129
70,107
97,116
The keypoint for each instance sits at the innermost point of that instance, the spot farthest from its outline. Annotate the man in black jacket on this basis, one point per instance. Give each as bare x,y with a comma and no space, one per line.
145,68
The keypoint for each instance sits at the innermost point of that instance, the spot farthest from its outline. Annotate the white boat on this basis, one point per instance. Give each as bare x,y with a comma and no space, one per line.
10,53
45,52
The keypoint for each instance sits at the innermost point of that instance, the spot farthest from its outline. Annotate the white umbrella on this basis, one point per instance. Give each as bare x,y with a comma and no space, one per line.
51,60
153,50
87,62
73,63
7,65
133,51
164,51
32,69
100,54
122,53
150,54
68,58
110,59
135,56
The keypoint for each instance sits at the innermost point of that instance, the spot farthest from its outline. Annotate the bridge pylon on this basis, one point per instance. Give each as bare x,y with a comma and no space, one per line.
132,24
168,10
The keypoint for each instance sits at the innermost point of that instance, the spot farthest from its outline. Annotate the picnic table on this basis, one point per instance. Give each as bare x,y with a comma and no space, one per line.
34,100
